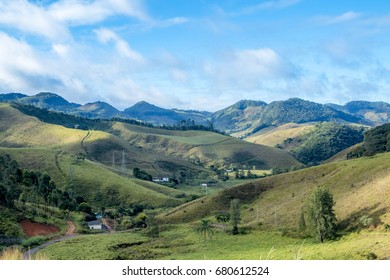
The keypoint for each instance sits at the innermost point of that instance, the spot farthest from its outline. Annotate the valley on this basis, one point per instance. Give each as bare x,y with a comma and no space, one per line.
155,184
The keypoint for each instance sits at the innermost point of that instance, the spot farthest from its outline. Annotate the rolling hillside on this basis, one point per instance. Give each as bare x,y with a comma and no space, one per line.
204,148
273,136
311,143
121,148
96,183
360,188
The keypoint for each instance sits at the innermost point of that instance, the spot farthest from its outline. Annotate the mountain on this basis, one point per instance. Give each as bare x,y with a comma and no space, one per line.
242,116
7,97
97,110
240,120
375,112
247,117
199,117
49,101
297,110
147,112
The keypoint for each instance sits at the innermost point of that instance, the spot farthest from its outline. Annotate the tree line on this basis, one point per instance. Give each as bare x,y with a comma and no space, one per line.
31,186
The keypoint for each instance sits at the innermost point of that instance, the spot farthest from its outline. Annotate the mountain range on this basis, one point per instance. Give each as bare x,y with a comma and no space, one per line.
240,119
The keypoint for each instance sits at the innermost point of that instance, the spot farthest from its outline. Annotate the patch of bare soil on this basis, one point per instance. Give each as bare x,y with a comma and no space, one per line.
33,229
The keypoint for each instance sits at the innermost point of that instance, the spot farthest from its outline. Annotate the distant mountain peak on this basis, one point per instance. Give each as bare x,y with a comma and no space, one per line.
12,96
48,94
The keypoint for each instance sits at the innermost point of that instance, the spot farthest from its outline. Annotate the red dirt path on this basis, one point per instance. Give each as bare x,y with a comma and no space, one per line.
34,229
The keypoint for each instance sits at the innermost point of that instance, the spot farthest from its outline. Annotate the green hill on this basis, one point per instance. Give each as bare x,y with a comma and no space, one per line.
360,187
204,148
93,181
121,148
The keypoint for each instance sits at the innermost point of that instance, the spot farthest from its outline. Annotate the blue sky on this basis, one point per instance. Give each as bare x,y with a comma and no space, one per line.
196,54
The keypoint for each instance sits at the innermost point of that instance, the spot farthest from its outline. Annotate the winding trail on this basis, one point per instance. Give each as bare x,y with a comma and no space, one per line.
89,133
70,233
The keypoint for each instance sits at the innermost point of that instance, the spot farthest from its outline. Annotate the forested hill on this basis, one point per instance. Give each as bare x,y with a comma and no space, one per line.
240,119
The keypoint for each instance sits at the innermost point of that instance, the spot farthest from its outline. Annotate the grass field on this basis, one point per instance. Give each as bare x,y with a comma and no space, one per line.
360,187
93,181
183,243
210,148
276,135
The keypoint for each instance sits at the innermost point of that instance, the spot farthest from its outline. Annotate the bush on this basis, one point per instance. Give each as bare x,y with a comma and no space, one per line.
222,216
371,256
33,241
366,221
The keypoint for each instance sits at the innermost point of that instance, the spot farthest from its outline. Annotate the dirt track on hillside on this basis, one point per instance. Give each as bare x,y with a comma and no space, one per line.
70,233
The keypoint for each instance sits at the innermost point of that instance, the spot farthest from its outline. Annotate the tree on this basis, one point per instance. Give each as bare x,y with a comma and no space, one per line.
153,227
205,229
222,217
320,213
235,215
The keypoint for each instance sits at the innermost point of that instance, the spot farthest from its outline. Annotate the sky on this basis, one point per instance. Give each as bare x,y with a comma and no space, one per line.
196,54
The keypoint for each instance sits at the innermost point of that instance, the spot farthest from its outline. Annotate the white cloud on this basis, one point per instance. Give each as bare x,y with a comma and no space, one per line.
17,60
105,36
60,49
52,21
248,69
30,18
89,12
345,17
266,5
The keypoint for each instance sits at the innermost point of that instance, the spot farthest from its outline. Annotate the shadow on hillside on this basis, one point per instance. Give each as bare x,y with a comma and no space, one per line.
353,221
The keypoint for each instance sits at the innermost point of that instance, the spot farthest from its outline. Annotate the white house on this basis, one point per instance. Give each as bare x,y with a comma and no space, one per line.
161,180
96,225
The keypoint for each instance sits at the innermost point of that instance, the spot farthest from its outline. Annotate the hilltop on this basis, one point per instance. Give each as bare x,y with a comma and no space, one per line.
241,119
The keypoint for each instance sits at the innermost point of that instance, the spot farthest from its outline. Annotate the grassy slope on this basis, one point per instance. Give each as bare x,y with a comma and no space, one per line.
94,181
278,134
19,130
183,243
210,148
360,187
343,154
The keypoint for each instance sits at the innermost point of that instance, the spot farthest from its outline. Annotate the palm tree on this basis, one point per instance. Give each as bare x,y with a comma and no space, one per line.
205,229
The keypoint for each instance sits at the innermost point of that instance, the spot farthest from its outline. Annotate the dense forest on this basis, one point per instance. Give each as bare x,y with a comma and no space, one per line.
376,140
324,141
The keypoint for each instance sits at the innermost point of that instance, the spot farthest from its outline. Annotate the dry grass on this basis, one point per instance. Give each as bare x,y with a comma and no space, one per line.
278,134
15,253
360,187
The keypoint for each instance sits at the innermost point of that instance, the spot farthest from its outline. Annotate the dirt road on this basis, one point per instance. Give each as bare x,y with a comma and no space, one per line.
70,233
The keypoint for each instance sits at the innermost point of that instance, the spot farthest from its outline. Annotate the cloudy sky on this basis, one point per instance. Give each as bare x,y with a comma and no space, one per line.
196,54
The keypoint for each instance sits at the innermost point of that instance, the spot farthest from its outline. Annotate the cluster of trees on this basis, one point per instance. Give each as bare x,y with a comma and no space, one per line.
67,120
241,174
132,216
376,141
142,174
31,186
326,140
